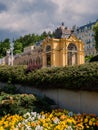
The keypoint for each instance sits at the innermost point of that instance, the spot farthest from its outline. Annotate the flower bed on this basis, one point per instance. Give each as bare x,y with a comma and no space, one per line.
56,120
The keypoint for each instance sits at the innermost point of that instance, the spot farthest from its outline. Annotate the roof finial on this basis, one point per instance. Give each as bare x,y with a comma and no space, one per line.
62,23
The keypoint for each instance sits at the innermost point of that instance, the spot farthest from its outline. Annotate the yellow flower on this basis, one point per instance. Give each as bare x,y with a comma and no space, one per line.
29,123
85,120
1,128
90,123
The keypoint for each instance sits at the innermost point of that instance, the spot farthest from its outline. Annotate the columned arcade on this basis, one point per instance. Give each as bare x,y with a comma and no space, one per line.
62,52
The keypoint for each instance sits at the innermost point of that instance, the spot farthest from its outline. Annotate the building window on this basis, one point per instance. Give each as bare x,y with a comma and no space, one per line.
48,48
38,60
48,55
72,54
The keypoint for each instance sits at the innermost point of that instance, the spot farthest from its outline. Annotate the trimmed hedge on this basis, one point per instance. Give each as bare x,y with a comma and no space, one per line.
81,77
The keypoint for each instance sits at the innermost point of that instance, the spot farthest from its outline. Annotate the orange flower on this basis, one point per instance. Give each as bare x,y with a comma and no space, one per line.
33,124
62,117
38,123
96,123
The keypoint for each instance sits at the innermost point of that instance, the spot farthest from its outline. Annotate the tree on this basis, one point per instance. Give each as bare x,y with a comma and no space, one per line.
22,42
4,46
95,28
18,47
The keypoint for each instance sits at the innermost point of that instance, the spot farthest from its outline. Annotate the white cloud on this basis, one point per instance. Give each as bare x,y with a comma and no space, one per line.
34,16
77,12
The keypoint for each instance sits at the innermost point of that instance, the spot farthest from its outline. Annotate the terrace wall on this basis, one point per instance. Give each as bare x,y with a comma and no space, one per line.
77,101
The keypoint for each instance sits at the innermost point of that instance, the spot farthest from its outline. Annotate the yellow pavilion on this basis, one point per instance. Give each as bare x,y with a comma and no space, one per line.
64,49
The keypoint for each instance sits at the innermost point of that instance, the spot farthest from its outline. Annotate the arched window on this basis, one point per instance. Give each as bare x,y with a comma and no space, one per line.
48,55
38,60
24,62
72,47
48,48
30,61
72,54
33,62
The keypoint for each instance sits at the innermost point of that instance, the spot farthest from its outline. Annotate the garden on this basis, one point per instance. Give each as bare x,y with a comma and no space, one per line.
30,112
20,111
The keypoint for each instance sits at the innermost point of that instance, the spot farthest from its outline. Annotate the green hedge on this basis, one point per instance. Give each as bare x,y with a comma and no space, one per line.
13,74
84,77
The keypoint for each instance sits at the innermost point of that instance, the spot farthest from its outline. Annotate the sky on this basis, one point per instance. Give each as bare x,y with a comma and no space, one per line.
21,17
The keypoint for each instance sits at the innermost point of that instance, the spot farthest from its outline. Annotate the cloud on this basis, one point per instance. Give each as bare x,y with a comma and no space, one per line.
77,12
34,16
4,33
3,7
23,15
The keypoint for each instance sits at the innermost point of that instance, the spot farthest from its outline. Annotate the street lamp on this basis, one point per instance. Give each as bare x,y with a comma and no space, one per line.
11,50
10,55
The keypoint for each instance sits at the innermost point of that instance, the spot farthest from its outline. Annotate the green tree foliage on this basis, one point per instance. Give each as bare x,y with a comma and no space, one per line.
94,59
31,39
95,28
4,46
23,41
18,47
88,58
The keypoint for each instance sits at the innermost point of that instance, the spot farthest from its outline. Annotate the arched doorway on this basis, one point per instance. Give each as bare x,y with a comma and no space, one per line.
38,60
72,54
48,55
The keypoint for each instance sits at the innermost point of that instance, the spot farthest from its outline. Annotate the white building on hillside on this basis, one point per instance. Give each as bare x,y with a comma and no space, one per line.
86,34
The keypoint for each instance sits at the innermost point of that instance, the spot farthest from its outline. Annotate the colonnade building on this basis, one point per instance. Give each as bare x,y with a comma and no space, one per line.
64,49
61,50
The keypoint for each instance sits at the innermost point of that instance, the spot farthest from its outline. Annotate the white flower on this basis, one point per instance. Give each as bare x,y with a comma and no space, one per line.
70,113
39,127
26,115
43,116
39,116
19,124
56,120
34,114
69,128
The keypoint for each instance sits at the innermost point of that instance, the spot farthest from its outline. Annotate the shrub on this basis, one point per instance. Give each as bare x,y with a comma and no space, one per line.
21,103
94,59
9,88
32,67
78,77
88,58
